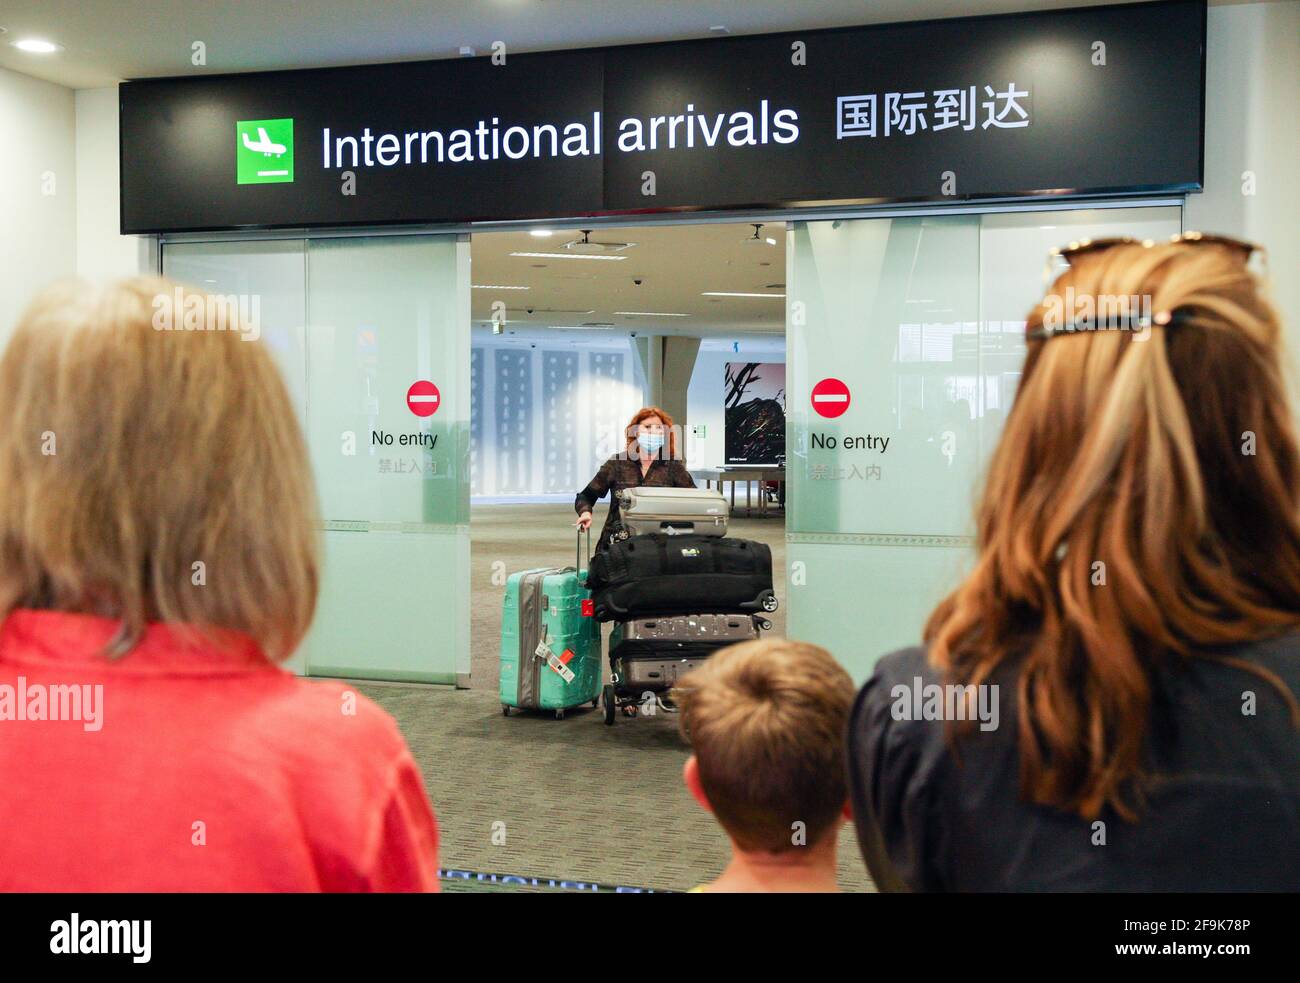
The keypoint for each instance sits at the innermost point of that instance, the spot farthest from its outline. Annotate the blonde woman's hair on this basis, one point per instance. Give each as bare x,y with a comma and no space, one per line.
152,475
1142,508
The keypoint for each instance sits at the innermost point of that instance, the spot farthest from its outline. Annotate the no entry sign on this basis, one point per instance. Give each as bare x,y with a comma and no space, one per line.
830,397
423,398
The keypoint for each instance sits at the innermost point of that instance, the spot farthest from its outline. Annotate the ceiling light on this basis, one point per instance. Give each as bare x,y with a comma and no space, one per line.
567,256
649,314
36,46
495,286
771,241
540,233
726,293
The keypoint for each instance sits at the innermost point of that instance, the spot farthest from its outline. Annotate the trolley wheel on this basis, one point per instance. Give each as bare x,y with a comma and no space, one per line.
770,602
630,710
559,714
505,709
595,702
607,697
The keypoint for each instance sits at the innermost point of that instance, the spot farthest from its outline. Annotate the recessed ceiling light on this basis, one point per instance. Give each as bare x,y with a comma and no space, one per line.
36,46
649,314
726,293
540,233
495,286
568,256
771,241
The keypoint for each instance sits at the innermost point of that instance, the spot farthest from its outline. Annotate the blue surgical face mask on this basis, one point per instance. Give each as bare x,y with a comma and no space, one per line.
651,443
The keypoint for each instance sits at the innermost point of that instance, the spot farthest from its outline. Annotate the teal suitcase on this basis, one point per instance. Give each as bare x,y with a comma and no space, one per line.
550,641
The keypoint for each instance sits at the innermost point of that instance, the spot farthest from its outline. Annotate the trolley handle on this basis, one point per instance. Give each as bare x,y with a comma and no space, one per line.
577,554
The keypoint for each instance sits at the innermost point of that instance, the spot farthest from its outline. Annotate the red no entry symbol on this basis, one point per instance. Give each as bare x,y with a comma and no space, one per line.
830,397
423,398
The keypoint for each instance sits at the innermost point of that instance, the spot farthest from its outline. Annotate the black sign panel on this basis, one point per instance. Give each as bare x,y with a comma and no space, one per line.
1102,100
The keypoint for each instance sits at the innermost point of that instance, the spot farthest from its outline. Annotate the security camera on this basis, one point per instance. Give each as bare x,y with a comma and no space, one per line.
637,281
530,310
633,334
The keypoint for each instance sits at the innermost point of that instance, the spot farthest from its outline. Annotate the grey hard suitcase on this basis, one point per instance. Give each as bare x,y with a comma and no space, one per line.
721,629
647,509
650,655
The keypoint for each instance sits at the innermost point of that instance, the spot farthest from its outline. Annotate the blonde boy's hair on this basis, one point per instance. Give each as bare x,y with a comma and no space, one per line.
152,475
767,722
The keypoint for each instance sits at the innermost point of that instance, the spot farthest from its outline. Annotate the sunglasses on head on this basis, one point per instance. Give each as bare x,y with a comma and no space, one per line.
1133,321
1084,247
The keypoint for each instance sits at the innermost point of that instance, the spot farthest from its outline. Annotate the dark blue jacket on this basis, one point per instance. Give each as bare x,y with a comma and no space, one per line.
1222,810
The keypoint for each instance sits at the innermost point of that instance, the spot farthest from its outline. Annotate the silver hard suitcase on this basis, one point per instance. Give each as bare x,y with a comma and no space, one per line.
656,675
653,653
646,509
725,629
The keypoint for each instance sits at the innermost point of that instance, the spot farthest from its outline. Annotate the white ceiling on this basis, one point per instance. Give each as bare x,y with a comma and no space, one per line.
675,264
105,41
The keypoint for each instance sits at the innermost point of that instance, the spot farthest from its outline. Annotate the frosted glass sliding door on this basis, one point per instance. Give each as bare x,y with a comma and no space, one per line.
387,314
354,323
905,342
270,278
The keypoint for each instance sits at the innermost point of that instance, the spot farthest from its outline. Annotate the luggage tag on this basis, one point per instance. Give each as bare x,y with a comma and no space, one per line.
557,663
543,651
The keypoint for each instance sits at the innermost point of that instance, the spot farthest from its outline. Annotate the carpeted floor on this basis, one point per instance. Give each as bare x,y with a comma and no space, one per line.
571,800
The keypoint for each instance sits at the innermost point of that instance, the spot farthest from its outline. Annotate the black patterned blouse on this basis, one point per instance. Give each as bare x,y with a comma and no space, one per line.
622,472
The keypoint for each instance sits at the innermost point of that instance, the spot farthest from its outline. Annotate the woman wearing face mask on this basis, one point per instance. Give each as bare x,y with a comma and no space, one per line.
649,457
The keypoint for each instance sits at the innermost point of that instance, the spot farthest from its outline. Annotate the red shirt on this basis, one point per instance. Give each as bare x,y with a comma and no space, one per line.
190,768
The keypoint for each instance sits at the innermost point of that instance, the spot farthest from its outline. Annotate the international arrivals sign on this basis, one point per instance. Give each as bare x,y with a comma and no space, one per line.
1101,101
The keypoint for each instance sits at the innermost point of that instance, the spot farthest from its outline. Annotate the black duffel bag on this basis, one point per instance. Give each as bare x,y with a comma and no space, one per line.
658,575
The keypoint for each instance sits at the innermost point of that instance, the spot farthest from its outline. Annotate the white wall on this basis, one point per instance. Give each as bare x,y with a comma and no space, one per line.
101,252
38,190
705,396
58,191
1252,82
